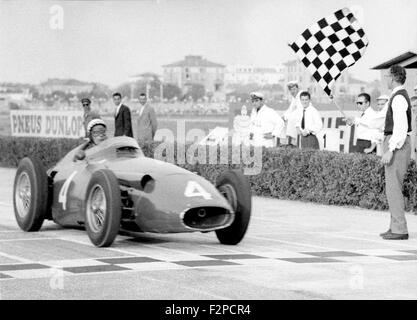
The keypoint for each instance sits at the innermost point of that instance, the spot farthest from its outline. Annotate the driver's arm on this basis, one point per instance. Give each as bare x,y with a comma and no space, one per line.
80,153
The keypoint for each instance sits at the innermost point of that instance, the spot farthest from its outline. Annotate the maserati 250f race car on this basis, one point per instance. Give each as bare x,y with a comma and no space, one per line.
116,187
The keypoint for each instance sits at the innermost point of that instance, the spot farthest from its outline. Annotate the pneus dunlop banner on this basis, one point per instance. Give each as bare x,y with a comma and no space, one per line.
48,124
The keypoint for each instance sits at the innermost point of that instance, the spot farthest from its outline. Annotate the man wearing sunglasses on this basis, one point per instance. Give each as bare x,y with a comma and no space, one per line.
369,125
88,114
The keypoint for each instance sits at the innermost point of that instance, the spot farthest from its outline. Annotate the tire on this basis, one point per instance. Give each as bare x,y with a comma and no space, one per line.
235,187
31,198
103,223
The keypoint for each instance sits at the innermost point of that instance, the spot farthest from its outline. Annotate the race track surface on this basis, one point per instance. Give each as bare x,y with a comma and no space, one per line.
293,250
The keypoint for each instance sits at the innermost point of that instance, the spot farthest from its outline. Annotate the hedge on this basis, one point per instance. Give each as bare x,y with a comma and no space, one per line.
318,176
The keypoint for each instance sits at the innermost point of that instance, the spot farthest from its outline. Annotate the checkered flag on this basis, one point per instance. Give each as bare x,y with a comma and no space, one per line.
330,46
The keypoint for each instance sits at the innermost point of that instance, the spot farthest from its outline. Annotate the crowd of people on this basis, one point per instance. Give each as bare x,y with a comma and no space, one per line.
146,124
390,124
301,123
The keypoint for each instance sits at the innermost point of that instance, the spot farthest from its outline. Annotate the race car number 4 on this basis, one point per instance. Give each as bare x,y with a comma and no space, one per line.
64,191
194,189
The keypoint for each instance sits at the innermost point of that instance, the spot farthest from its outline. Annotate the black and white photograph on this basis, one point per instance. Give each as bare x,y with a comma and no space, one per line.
211,155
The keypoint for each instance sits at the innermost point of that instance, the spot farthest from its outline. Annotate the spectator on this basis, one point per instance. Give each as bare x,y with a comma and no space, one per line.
370,124
396,151
293,113
381,102
415,90
88,114
266,124
147,123
122,118
309,124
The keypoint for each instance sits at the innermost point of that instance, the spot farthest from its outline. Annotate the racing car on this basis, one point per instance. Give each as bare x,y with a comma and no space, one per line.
115,187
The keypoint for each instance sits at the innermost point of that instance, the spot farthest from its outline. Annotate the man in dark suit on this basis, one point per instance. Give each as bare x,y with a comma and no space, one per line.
122,118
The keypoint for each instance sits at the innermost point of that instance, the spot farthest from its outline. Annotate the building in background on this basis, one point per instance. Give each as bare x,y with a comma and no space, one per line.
194,70
14,92
64,85
247,74
345,86
409,61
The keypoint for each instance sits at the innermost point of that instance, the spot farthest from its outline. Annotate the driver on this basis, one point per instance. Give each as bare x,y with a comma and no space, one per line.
96,133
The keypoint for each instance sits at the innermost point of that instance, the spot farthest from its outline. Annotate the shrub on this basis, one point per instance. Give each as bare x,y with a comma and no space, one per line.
318,176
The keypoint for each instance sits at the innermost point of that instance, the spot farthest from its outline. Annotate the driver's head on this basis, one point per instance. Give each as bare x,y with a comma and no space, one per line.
96,129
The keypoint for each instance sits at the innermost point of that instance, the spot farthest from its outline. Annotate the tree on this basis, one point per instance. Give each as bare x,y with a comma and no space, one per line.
171,91
196,91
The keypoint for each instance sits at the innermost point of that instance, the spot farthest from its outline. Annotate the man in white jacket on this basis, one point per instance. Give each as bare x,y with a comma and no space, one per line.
266,124
309,124
293,113
370,125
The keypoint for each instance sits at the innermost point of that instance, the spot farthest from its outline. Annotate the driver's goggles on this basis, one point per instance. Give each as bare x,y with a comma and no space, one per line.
97,133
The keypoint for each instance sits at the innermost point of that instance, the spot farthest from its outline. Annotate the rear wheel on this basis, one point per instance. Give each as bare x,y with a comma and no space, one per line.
30,194
236,189
103,208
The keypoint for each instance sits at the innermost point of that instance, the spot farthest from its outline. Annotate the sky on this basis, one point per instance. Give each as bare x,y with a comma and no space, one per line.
107,41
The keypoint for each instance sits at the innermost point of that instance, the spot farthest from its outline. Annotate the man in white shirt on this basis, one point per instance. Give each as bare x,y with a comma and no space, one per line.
266,124
370,124
396,151
292,114
309,124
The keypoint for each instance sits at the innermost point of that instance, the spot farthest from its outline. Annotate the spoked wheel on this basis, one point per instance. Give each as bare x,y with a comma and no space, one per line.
103,208
235,188
30,194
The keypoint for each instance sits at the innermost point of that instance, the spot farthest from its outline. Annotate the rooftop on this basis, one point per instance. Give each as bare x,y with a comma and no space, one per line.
407,60
194,61
67,82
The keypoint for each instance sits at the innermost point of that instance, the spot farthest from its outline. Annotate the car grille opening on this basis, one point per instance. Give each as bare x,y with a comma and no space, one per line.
206,217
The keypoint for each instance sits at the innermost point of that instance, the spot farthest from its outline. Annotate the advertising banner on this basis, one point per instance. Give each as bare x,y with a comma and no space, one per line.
47,124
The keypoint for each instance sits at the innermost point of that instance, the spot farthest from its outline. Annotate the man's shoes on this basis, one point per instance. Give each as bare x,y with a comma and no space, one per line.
385,233
395,236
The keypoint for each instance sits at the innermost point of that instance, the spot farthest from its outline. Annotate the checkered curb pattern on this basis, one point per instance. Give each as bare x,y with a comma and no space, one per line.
88,266
330,46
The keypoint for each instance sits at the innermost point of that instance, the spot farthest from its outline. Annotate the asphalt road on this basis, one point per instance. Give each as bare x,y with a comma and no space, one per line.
293,250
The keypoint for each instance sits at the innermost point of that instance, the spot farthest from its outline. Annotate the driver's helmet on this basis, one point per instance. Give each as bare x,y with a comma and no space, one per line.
94,123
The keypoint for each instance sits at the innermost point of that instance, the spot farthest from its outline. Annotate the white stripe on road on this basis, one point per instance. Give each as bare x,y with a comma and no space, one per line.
295,243
27,239
13,257
386,242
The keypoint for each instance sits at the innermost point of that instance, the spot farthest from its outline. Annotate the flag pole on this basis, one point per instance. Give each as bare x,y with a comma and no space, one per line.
337,106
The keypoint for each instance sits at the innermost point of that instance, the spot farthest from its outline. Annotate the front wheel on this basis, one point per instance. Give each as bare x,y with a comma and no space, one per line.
236,189
30,194
103,208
